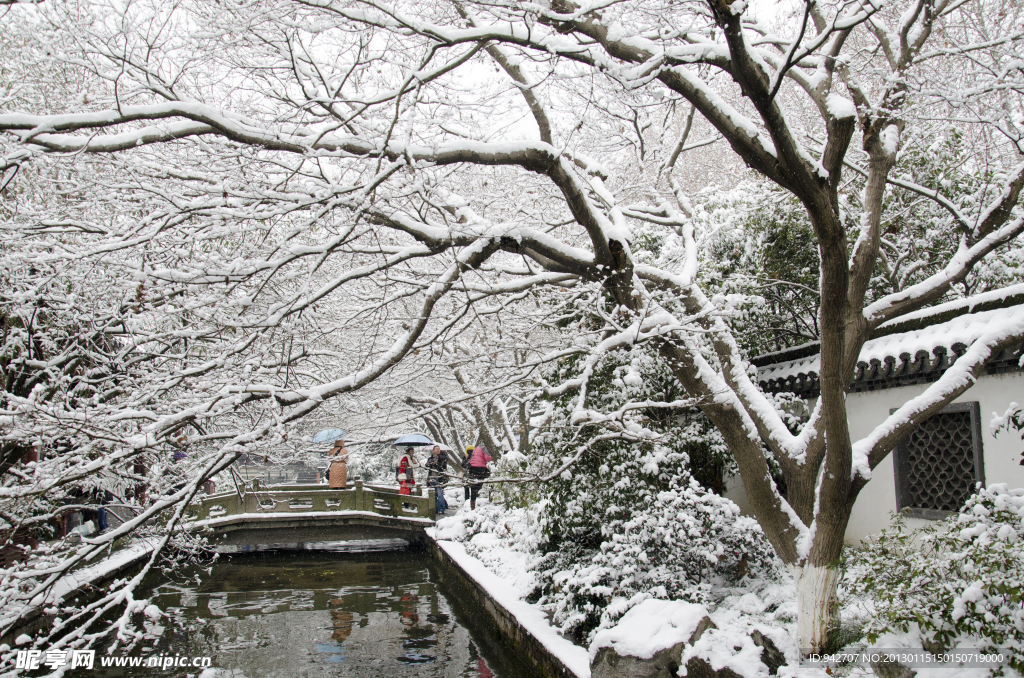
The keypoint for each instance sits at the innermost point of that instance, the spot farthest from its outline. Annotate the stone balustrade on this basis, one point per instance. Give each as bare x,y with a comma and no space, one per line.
255,498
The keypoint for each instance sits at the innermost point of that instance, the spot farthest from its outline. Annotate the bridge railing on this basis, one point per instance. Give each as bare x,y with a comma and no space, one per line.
255,497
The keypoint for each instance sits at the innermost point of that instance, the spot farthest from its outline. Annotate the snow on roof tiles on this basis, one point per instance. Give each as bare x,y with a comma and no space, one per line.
914,356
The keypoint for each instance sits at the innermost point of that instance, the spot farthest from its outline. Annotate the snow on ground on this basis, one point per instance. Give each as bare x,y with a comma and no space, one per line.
503,540
531,617
649,627
498,547
495,548
758,606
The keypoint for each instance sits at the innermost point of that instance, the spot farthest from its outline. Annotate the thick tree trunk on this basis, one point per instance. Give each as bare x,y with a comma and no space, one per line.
815,596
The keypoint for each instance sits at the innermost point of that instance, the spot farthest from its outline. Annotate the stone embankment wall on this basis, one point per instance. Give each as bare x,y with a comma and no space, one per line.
499,624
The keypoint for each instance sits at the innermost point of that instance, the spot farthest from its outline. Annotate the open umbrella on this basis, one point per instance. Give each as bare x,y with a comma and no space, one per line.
328,436
412,440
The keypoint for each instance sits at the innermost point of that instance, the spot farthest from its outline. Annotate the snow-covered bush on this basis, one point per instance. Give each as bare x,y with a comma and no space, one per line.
959,581
629,520
673,544
504,540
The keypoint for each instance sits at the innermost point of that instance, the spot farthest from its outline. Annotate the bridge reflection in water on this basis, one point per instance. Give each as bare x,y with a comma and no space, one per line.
325,614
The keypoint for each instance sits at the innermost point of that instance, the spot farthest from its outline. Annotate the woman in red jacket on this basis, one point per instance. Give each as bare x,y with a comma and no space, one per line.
406,479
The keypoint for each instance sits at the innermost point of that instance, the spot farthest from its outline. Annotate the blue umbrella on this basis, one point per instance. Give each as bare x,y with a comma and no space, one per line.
413,440
328,436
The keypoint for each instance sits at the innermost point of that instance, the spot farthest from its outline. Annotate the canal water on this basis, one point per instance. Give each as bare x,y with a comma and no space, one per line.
322,614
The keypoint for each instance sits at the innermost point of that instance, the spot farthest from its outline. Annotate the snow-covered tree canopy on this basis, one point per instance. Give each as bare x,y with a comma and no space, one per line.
217,216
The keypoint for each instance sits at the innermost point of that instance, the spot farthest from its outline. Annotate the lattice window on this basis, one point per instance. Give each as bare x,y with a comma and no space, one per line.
940,462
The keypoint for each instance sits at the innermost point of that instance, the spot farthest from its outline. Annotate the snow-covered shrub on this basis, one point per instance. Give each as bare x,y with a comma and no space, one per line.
628,520
504,540
961,580
671,544
512,495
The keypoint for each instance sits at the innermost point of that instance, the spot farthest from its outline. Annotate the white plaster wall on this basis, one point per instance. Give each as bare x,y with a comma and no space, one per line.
734,490
877,501
1002,453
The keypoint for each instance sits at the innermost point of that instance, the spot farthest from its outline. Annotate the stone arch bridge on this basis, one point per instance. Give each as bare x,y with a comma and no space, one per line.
290,516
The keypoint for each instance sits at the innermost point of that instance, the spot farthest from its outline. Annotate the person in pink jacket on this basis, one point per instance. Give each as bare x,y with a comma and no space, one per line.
477,471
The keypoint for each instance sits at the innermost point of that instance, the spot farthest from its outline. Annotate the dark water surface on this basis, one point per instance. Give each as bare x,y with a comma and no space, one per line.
323,614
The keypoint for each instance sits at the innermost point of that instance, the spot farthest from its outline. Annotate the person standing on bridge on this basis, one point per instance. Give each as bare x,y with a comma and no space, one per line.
405,477
437,477
477,472
465,470
337,473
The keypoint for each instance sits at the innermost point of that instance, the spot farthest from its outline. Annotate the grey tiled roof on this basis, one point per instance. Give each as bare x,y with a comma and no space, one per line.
914,349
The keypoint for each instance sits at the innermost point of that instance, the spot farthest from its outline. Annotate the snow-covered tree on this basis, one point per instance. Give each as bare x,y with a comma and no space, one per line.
291,200
630,520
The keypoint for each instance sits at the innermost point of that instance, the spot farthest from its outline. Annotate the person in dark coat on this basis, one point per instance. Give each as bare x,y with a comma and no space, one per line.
465,470
437,477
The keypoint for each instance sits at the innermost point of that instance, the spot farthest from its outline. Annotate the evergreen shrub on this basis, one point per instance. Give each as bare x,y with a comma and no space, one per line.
628,520
960,581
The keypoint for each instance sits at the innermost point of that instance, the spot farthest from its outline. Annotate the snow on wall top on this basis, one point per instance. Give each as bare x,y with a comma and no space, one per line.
921,353
967,305
932,315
